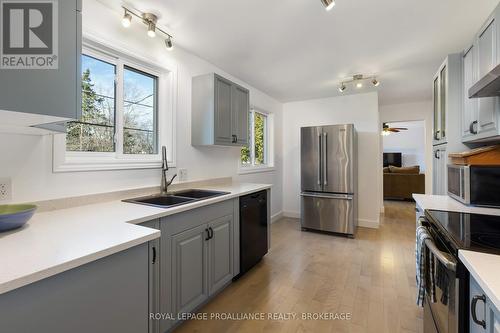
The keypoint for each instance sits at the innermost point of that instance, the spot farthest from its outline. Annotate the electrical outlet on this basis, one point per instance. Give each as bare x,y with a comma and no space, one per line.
183,175
5,189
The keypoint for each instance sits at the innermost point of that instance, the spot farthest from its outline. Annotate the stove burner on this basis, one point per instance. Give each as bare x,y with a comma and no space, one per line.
487,240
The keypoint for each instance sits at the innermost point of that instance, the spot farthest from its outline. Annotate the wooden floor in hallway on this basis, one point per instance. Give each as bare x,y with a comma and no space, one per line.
372,277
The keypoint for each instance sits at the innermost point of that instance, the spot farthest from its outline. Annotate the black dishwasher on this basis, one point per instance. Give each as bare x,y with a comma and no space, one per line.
253,229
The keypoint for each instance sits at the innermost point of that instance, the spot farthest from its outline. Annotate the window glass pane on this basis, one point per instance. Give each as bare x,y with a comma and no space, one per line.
139,112
95,130
259,138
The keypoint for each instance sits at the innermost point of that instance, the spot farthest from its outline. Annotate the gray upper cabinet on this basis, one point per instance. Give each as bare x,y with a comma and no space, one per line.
220,253
189,255
439,170
220,112
480,119
47,95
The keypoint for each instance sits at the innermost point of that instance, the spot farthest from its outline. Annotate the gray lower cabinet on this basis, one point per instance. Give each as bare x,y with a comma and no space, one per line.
484,317
197,258
154,277
107,295
189,269
220,253
439,170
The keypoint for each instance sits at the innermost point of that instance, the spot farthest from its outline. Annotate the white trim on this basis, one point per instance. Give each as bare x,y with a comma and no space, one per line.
373,224
276,217
294,215
245,170
167,100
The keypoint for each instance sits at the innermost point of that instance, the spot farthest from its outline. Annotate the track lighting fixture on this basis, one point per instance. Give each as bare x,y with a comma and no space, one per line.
127,19
150,20
357,81
168,43
329,4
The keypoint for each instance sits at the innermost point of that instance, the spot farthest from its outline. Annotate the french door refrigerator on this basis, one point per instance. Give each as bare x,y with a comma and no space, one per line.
329,178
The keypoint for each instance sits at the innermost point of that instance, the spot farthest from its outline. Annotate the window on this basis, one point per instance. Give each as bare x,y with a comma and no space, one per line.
96,130
257,155
125,119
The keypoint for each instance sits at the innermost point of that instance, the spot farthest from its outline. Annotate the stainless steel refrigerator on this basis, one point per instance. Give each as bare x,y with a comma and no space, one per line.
329,178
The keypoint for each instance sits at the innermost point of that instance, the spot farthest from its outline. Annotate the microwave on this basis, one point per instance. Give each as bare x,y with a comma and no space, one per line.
475,185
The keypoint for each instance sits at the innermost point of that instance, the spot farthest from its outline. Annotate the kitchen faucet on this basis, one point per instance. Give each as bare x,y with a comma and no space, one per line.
164,168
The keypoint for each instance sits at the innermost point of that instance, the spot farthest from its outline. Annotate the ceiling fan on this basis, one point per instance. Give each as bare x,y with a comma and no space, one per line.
386,129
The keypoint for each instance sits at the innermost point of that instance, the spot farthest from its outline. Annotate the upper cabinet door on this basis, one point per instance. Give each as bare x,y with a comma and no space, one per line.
437,109
241,110
223,113
487,48
469,111
443,100
48,91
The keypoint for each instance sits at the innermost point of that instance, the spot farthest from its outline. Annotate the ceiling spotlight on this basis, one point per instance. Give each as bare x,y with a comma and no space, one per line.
375,82
127,18
342,87
169,44
151,30
329,4
359,85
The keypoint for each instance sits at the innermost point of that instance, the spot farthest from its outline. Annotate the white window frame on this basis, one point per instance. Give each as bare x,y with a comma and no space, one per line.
269,145
69,161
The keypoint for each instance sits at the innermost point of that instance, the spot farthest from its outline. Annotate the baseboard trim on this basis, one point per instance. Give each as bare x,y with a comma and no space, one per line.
382,210
276,216
368,224
295,215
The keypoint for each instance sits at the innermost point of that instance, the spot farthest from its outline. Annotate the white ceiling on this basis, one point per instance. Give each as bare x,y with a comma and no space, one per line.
295,50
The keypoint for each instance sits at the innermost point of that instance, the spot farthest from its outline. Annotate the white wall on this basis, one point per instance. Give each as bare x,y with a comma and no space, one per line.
360,110
410,143
414,111
28,159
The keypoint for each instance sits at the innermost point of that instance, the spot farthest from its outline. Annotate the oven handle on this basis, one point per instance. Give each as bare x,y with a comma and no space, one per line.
444,258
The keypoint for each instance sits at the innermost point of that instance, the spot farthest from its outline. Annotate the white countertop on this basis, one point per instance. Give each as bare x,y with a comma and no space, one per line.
446,203
485,268
56,241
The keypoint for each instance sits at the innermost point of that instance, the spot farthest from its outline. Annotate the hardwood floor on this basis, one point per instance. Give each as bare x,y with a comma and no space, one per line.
372,277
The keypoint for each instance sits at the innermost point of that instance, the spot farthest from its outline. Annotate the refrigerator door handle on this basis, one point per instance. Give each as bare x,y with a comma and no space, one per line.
325,159
319,158
328,195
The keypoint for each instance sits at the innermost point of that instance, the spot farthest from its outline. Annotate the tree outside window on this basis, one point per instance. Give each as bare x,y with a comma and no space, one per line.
256,153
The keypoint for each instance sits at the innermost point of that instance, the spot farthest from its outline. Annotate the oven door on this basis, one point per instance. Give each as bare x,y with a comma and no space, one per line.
443,308
458,183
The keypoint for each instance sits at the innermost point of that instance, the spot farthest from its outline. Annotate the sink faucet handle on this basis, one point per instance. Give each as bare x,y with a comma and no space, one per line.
164,165
171,180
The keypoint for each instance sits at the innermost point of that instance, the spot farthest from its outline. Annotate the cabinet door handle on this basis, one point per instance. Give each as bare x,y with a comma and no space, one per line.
436,154
472,127
153,261
436,135
211,232
234,138
208,234
473,306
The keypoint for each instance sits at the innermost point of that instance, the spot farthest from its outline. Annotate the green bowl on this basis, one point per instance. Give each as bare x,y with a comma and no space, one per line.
15,216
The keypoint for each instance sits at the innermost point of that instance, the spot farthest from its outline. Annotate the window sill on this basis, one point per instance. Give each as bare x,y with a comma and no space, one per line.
78,165
255,169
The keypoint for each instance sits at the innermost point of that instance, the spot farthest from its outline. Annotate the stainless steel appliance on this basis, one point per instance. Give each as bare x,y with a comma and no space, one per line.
329,178
475,185
451,232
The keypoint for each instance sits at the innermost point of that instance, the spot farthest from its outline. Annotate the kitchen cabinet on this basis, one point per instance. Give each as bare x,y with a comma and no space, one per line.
37,97
484,317
197,257
154,276
220,112
480,119
447,102
439,170
106,295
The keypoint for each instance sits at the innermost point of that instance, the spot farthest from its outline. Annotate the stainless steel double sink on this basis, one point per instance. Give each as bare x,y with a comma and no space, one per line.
176,198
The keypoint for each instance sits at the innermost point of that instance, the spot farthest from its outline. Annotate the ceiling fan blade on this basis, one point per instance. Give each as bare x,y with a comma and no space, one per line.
400,128
393,130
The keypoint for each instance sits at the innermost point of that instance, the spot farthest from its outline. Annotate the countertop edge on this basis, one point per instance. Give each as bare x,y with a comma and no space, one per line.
473,270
